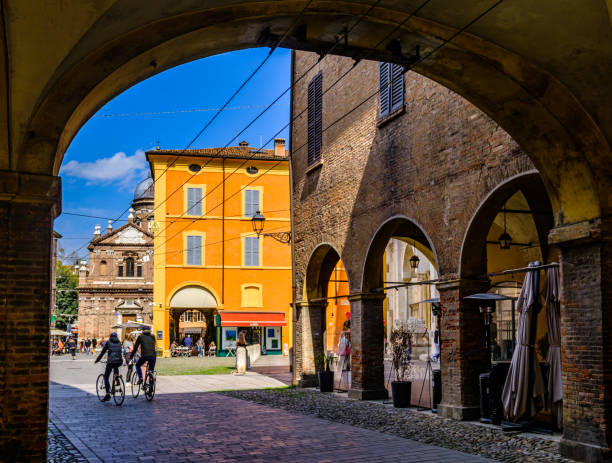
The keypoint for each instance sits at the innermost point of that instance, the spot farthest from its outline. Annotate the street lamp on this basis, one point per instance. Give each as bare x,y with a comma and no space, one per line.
504,239
414,260
258,221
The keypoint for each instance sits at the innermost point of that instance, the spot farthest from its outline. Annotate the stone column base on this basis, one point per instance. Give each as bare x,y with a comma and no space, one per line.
368,394
308,381
456,412
581,451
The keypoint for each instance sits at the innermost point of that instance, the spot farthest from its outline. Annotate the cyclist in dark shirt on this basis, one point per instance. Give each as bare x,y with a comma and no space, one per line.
114,361
146,342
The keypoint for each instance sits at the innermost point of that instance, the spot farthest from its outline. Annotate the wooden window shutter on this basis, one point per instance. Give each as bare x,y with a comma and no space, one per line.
397,86
251,199
194,250
384,88
194,201
315,118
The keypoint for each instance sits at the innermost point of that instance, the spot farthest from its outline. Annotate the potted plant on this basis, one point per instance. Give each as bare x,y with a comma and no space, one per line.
401,350
326,375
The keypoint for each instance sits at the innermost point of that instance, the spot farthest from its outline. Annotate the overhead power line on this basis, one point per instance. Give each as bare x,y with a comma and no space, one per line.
344,32
186,111
223,107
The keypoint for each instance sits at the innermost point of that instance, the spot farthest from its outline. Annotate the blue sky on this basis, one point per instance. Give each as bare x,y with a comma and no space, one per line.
106,159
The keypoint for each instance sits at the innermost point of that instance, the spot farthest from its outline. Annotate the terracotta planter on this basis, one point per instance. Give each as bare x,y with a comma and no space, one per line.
326,381
401,391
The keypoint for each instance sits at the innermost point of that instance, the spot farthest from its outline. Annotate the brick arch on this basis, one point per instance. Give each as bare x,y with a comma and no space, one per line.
401,226
535,107
319,269
472,260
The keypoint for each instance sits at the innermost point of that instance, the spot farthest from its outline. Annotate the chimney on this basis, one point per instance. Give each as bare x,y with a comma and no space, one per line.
82,272
97,233
279,147
243,143
109,227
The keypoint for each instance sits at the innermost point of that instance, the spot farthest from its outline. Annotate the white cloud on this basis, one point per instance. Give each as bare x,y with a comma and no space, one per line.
119,167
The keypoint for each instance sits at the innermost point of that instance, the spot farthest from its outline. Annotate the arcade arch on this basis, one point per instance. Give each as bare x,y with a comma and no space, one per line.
518,209
184,305
529,78
396,240
324,315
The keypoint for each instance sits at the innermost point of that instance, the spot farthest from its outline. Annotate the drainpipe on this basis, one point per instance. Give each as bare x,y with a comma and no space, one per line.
223,236
293,286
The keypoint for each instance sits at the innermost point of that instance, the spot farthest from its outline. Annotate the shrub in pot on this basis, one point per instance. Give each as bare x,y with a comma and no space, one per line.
401,349
326,375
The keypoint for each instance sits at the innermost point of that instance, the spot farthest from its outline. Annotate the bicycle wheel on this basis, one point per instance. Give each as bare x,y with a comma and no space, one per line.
100,389
135,385
118,390
149,388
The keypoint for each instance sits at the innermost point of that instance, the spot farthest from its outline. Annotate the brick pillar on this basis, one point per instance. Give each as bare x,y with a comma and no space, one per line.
310,317
28,204
586,339
462,354
367,345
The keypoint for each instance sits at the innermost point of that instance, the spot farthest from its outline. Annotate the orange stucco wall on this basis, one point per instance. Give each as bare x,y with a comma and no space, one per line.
223,227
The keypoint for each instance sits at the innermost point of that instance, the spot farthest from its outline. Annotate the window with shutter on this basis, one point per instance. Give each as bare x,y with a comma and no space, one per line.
194,250
391,87
397,86
384,88
315,118
251,200
251,251
194,201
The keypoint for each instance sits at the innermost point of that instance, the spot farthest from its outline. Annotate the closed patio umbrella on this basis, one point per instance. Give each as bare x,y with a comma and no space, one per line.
553,320
516,394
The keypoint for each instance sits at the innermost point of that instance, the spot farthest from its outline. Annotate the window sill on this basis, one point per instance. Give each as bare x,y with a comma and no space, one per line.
314,167
382,121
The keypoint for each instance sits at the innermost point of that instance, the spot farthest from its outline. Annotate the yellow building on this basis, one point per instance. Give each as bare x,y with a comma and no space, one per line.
208,260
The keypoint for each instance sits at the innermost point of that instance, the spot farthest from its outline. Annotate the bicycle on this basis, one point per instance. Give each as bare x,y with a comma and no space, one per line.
117,387
148,385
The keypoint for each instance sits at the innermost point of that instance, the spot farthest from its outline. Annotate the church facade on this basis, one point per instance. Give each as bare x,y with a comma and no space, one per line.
117,284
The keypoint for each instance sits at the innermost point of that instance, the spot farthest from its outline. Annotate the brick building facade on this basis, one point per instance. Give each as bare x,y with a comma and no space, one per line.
117,284
434,169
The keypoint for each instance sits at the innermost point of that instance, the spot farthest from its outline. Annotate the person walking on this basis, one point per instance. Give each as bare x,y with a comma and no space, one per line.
200,345
72,346
113,362
87,346
94,343
241,354
188,341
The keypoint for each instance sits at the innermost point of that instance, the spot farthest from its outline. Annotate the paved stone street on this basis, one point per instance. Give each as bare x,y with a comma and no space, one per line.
197,426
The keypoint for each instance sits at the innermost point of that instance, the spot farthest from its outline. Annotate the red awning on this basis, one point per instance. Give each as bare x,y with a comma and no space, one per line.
253,319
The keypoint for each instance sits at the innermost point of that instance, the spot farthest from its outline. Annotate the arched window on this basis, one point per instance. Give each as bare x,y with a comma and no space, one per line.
102,267
129,267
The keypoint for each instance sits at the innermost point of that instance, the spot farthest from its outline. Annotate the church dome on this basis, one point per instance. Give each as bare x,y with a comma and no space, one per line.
145,189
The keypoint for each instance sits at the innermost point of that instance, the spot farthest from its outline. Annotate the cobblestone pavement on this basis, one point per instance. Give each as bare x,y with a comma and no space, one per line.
61,449
424,427
209,427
